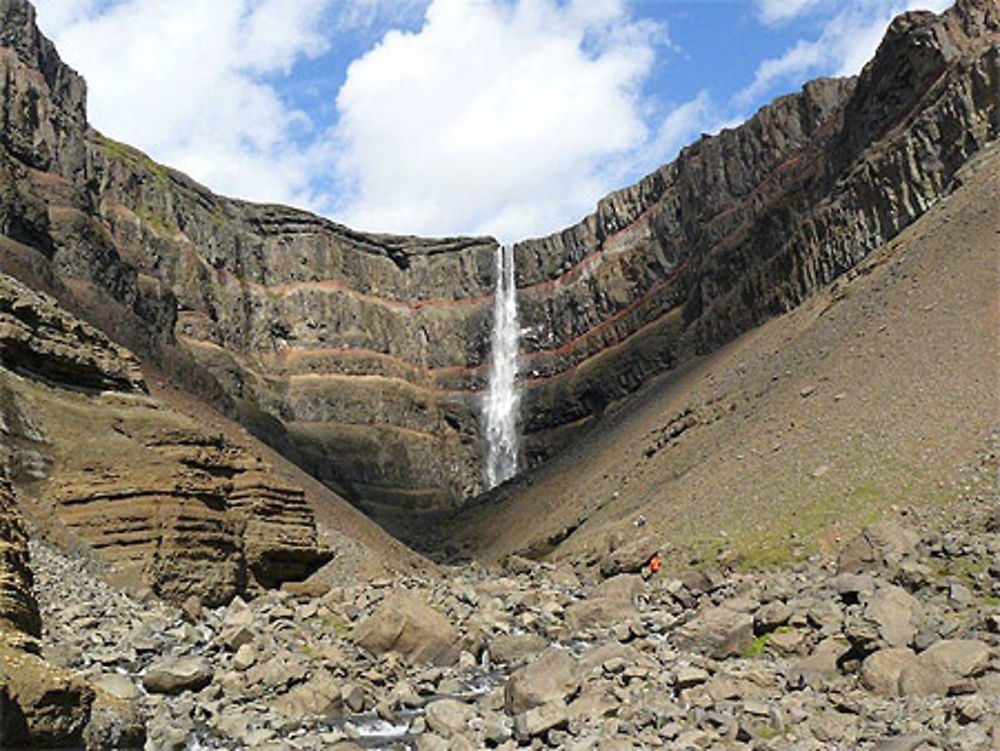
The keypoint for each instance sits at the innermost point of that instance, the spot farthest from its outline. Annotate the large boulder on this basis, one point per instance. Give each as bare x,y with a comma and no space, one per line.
41,705
887,618
406,624
718,632
943,666
317,697
881,670
880,547
553,677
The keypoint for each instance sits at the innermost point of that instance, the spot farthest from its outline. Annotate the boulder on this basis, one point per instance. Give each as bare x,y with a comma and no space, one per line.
718,632
553,676
175,676
623,588
119,686
541,719
820,666
317,697
41,705
508,648
448,717
406,624
880,547
602,612
881,670
887,619
943,666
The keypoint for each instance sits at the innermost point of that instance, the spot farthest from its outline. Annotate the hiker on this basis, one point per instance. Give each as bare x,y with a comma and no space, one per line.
652,566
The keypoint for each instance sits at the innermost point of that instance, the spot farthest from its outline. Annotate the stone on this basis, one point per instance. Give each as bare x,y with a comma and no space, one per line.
119,686
688,676
406,624
786,642
718,632
820,666
880,547
175,676
888,619
768,617
244,658
448,717
943,666
317,697
600,613
43,705
512,648
880,671
541,719
552,676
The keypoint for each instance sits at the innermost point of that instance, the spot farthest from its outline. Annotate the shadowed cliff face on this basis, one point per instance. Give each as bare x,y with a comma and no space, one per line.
363,357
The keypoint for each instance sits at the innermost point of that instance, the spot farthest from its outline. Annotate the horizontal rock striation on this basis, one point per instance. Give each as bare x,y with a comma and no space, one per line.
363,356
200,517
18,608
164,503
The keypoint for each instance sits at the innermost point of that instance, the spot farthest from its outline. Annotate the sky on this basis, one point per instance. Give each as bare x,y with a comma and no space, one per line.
443,117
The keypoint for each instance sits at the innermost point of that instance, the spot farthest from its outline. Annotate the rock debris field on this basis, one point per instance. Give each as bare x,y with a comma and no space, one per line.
893,646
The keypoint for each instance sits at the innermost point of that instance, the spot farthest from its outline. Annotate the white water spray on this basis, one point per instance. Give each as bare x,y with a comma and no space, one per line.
503,397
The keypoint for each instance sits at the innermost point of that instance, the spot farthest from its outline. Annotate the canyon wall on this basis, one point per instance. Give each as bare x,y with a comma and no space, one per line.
363,357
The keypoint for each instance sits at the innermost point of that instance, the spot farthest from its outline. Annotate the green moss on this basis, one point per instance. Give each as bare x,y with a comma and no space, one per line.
757,646
133,158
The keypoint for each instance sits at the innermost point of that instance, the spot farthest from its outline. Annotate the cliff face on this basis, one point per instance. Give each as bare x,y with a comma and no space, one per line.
363,357
96,460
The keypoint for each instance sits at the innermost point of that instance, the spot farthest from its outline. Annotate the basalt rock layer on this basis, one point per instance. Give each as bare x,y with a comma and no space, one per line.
96,460
363,357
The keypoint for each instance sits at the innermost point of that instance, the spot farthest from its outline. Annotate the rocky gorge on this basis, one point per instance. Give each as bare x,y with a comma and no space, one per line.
895,645
197,393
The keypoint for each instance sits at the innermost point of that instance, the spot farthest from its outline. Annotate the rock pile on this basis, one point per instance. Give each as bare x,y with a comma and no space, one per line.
896,645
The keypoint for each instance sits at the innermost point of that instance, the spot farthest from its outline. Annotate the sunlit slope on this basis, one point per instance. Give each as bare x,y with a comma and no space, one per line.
873,394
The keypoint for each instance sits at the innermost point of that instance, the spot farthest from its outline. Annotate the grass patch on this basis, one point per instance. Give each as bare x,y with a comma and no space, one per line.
757,646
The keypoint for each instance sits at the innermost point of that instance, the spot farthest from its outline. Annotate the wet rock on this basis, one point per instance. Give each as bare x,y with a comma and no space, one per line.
512,648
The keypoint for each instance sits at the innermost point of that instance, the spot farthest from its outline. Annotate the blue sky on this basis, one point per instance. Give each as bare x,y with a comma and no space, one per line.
436,117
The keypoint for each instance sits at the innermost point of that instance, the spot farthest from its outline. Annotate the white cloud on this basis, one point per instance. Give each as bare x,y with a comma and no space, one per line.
183,80
500,117
850,33
504,116
777,11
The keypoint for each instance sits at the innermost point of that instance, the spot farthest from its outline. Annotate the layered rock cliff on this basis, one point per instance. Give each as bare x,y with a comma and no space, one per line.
363,357
164,503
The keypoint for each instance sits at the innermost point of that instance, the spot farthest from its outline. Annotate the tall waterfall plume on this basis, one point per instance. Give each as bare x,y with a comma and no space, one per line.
503,397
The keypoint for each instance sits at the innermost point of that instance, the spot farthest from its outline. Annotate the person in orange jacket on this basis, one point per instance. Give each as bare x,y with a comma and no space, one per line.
652,566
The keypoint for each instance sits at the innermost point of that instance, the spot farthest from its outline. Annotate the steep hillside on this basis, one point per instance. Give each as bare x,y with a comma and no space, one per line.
873,396
362,357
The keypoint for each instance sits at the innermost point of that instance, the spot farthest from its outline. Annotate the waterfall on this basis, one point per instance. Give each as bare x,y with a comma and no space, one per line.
503,397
